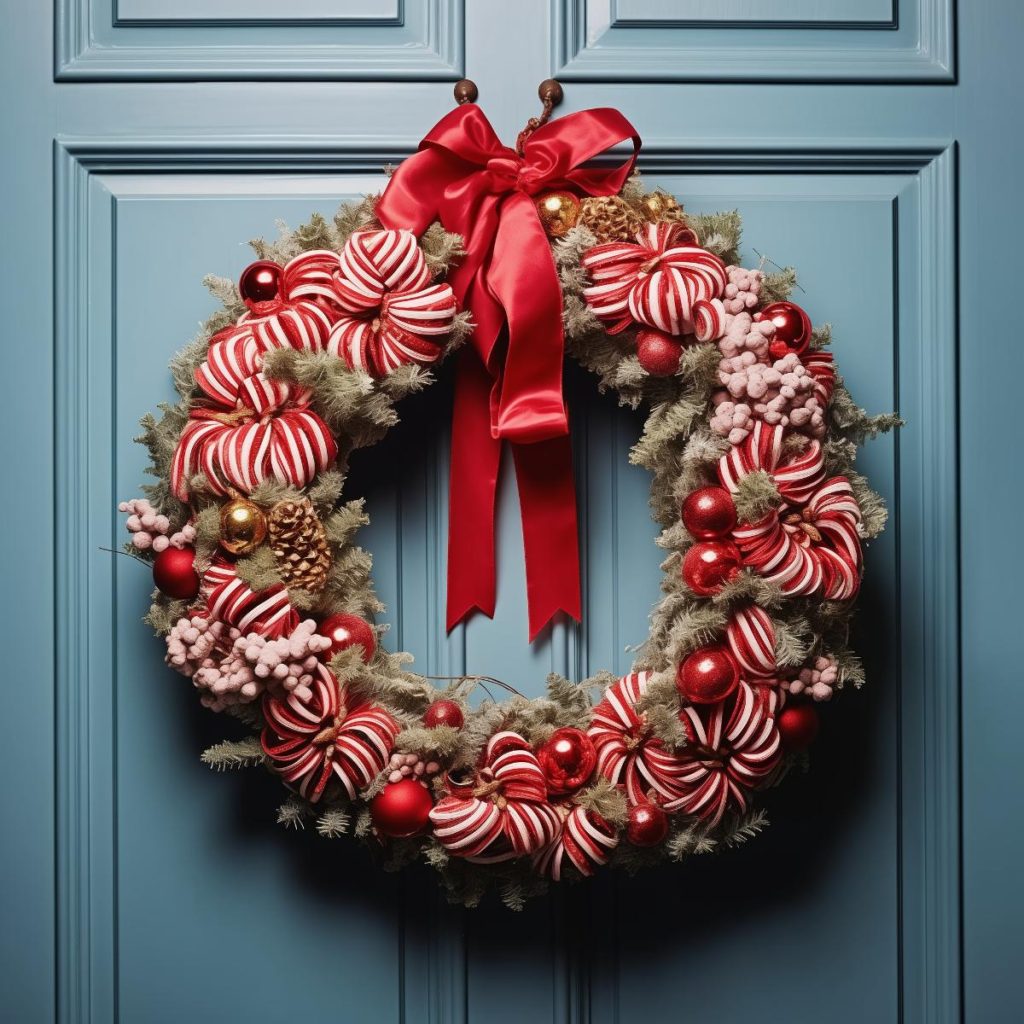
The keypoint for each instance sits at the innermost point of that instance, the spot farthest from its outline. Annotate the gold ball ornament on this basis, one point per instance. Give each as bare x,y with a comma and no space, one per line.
243,527
558,212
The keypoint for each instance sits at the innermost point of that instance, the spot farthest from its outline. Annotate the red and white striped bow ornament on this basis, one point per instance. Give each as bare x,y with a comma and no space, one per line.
751,639
390,312
585,841
332,736
627,754
230,599
503,812
665,281
812,542
731,747
252,428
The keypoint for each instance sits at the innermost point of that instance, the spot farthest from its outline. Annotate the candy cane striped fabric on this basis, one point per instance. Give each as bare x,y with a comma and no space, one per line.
299,325
310,277
660,282
329,736
506,814
626,755
734,745
751,639
796,476
407,328
812,543
231,600
375,262
820,366
291,447
585,841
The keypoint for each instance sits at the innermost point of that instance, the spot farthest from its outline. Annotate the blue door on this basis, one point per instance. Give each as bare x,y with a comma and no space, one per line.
874,145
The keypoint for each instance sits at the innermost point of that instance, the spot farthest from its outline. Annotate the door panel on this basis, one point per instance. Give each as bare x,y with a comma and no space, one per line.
851,138
782,40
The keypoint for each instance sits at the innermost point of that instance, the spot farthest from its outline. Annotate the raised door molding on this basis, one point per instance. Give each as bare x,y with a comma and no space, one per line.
917,178
140,40
737,41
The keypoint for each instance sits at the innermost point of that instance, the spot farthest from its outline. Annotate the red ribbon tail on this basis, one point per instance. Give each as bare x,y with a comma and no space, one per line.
547,501
473,486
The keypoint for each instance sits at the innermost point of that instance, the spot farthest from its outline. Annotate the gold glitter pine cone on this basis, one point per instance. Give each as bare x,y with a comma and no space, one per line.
299,543
660,206
610,218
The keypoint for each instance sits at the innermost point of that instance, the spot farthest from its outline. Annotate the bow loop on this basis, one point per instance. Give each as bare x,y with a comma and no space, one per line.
509,384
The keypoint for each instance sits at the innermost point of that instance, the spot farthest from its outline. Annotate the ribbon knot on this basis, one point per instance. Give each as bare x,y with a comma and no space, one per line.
509,379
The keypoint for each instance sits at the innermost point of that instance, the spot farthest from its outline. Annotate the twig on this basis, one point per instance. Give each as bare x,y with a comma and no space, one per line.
767,259
127,554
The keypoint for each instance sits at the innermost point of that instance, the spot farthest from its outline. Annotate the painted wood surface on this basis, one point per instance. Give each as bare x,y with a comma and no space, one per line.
138,887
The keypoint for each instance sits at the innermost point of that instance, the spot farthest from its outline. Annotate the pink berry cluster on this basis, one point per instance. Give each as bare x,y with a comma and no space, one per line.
151,530
233,669
817,680
781,392
405,766
743,289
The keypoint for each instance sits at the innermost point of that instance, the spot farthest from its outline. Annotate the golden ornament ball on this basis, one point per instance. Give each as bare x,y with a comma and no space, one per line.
243,527
558,212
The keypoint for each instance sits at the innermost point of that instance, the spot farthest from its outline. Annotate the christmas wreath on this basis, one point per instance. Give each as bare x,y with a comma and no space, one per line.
266,601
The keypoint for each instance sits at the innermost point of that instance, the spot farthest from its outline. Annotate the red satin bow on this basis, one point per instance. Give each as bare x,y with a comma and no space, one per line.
509,382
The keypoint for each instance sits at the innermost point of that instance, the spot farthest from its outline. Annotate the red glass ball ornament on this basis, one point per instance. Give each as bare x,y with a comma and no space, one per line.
568,759
444,712
792,328
647,825
658,353
345,631
174,572
708,566
709,513
798,726
260,281
401,809
708,675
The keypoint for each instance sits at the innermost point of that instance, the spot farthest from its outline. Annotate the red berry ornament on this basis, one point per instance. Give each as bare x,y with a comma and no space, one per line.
708,566
174,572
708,675
568,759
658,353
401,809
709,513
798,726
260,281
647,825
444,712
345,631
792,328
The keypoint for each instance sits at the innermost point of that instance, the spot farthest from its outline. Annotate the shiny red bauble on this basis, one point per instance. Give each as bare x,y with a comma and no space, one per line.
798,726
658,353
174,572
647,825
708,566
260,281
708,675
792,328
709,513
401,809
345,631
568,759
444,712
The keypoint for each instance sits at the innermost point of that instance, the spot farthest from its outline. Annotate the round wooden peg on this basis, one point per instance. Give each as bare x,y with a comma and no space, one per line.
550,91
466,91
